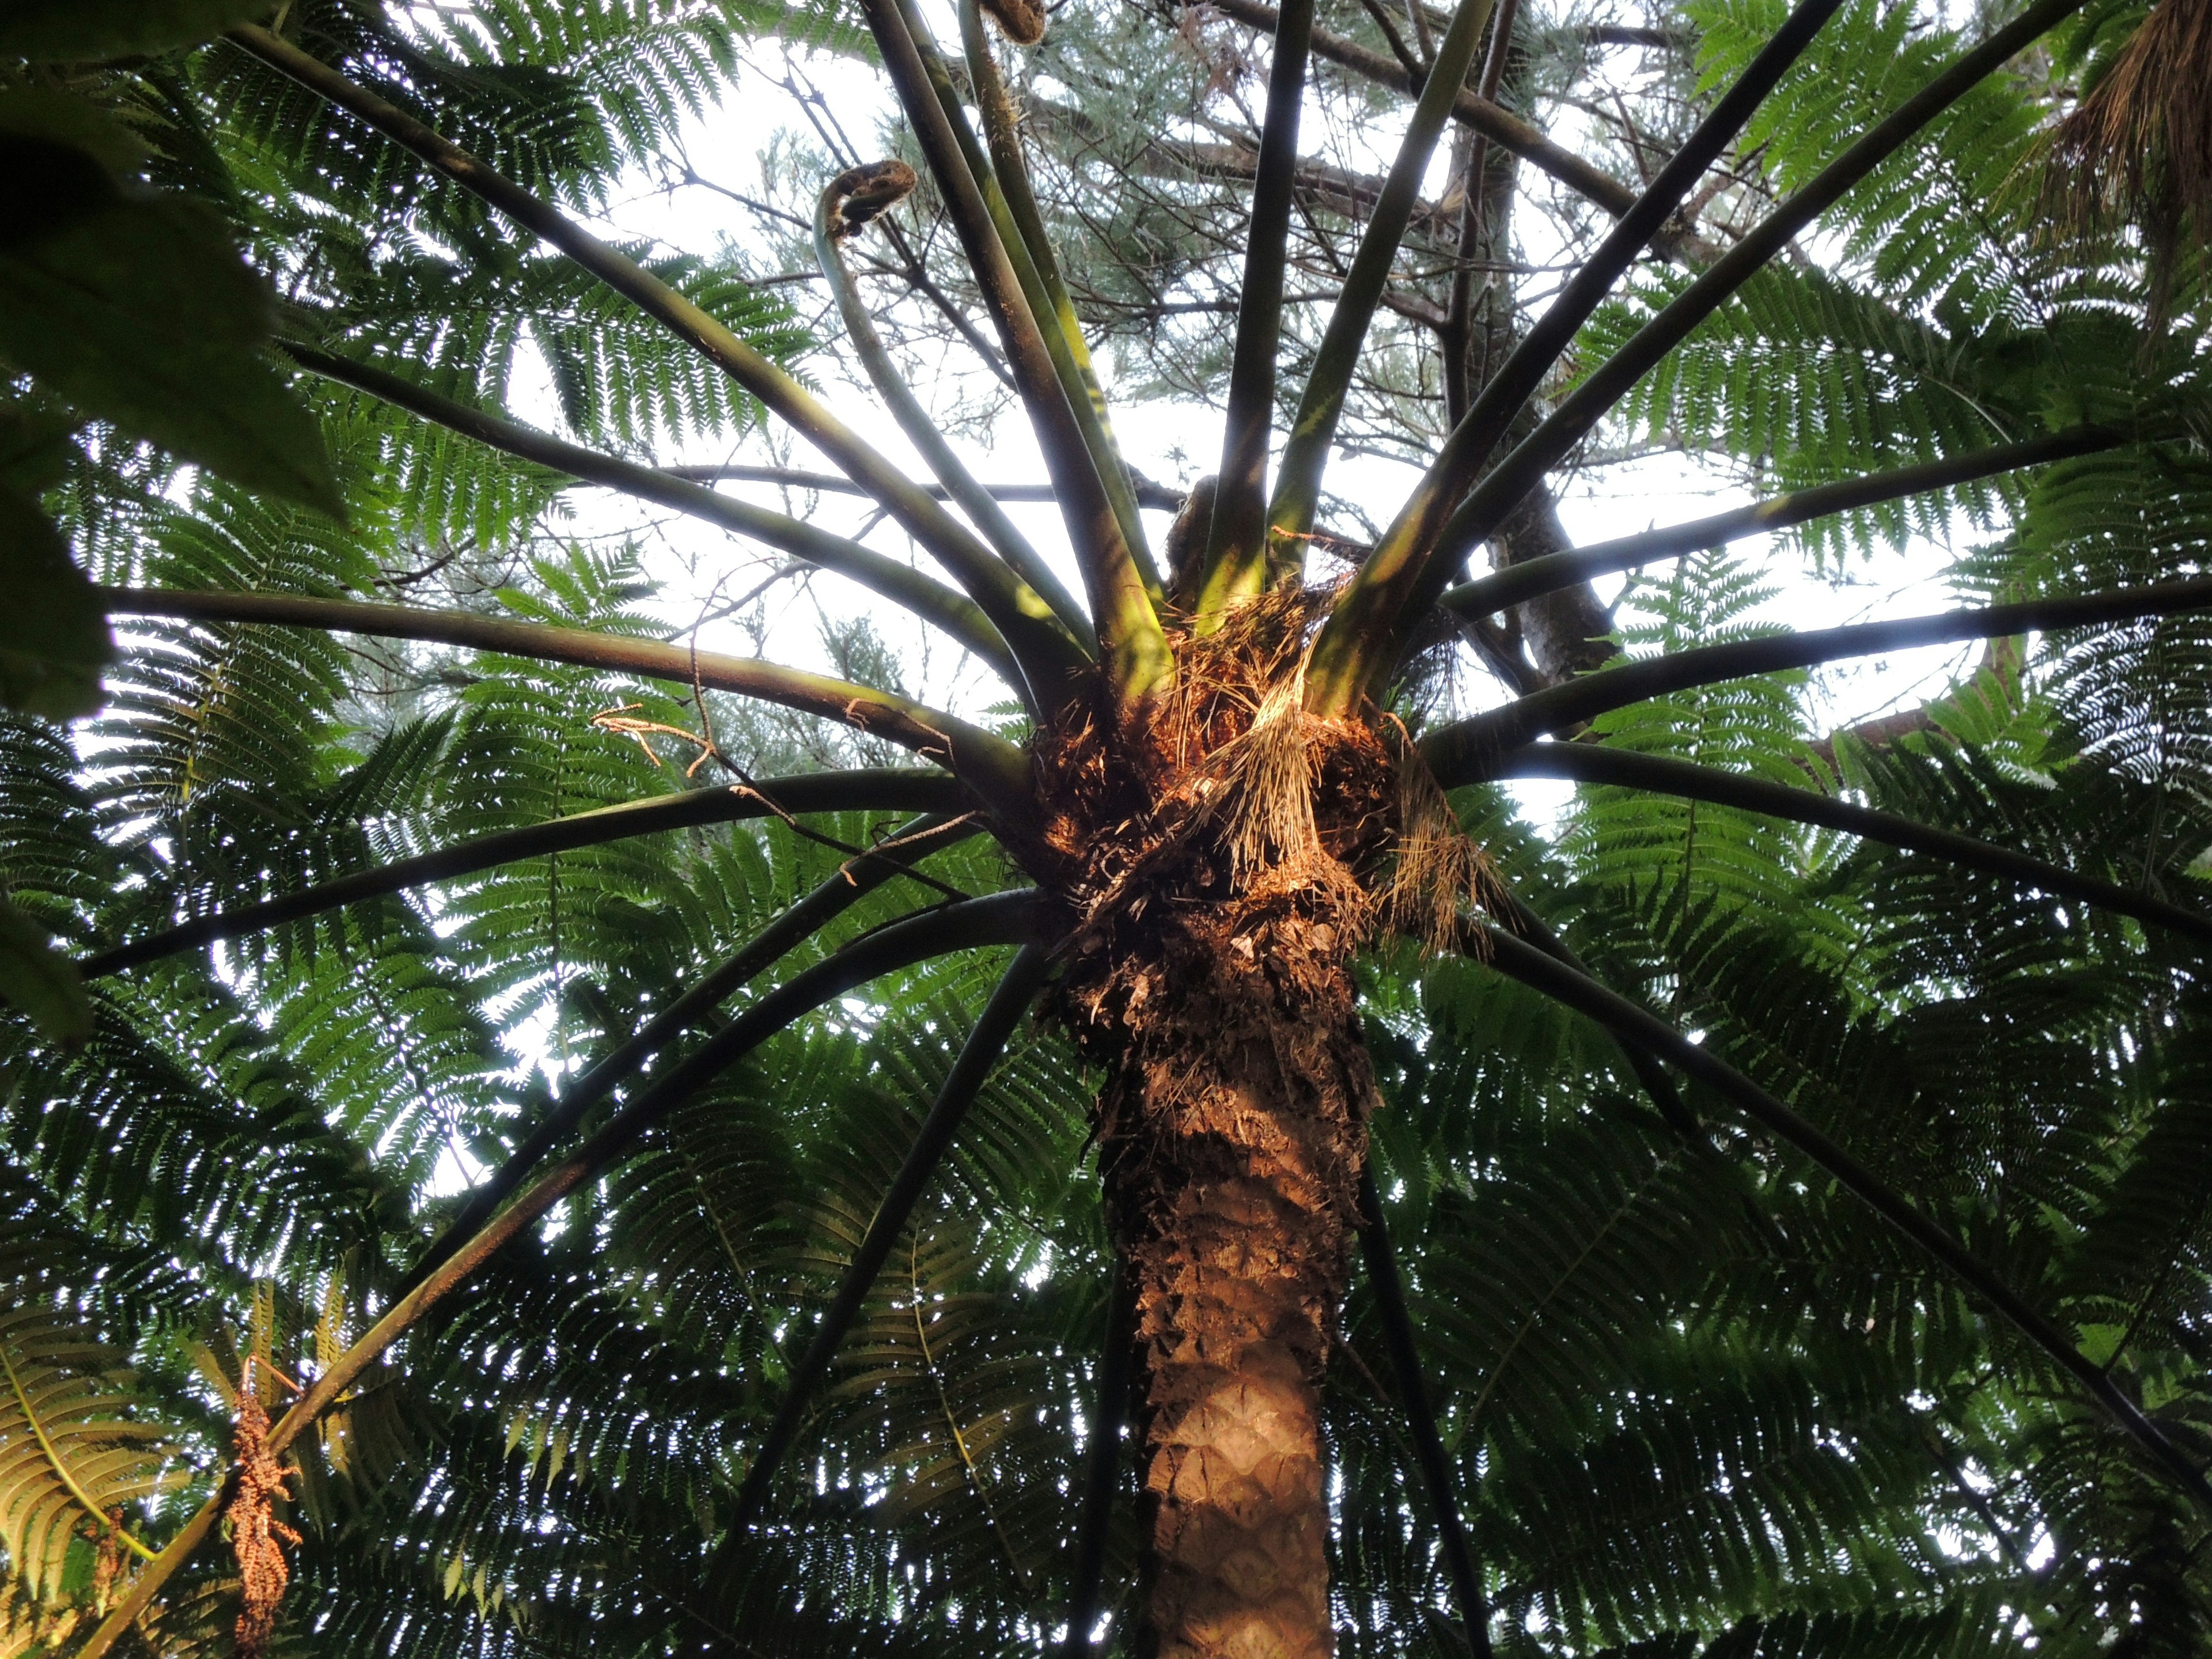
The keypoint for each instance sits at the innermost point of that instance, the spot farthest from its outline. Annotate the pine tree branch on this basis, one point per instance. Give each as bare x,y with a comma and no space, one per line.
991,766
1584,762
1557,572
1420,1413
1457,333
1494,499
1131,644
1522,961
1237,535
904,587
799,923
1362,636
1001,919
1471,750
978,1056
1296,499
886,790
1505,129
1046,653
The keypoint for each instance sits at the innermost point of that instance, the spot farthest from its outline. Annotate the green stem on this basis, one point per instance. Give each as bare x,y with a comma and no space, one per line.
1532,967
800,922
1500,126
814,792
1362,635
923,431
1002,919
1472,749
1419,554
909,588
986,1041
1009,176
1456,337
1305,456
1044,649
156,1573
1518,583
1597,764
1389,1291
1134,647
996,769
1236,540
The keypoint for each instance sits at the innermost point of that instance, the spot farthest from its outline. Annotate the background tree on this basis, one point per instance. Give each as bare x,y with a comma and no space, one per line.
1355,1251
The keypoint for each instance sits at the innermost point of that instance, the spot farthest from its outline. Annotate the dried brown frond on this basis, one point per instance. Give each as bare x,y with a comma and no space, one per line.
2139,146
1021,21
1437,871
255,1532
865,192
1266,796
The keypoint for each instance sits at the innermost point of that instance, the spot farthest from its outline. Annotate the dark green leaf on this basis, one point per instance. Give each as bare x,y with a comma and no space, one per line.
39,979
53,636
79,31
141,312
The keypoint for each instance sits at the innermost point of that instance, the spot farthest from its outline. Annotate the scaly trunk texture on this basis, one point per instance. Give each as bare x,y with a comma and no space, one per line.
1215,846
1232,1144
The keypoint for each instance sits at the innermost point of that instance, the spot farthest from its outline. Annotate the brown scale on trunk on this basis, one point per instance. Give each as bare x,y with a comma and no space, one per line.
1217,851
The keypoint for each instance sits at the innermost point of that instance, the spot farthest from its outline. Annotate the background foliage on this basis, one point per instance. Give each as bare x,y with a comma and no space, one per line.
1698,1401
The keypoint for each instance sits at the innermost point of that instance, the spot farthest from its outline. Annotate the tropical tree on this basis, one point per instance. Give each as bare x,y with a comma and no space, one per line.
1778,1192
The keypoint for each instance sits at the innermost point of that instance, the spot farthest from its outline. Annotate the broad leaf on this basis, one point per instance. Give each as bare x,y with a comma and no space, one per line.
53,635
80,31
39,980
136,309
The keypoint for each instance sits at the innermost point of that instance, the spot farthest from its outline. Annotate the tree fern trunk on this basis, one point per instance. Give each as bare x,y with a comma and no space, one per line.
1233,1136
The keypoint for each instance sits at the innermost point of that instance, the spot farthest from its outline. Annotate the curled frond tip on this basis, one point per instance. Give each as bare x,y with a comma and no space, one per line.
868,192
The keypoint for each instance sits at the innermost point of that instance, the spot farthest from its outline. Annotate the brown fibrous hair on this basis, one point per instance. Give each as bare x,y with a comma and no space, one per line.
2139,145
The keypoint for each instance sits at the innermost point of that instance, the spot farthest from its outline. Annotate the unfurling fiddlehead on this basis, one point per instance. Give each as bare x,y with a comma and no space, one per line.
865,192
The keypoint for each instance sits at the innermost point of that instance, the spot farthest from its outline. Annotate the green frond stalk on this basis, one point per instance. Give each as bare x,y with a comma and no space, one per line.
1134,648
59,1464
853,882
1345,658
1024,978
992,766
1102,1466
1530,580
1456,337
1498,125
1236,539
1658,1087
831,227
1596,763
1406,1369
1001,919
1473,748
875,790
1305,452
1020,614
909,589
1008,181
1425,547
1524,962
